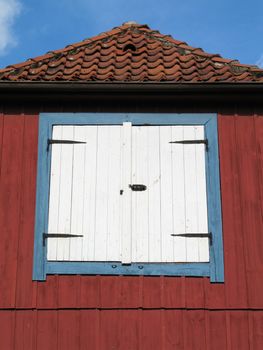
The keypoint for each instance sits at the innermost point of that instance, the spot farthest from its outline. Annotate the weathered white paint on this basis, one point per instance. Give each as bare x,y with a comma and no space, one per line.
86,180
125,195
85,193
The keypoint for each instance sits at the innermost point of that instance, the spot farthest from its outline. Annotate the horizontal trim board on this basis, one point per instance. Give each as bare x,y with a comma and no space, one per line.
120,118
124,308
128,86
101,268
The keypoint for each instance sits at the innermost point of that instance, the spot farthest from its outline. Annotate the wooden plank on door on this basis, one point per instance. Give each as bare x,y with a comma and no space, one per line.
190,194
140,200
154,195
102,194
166,189
114,199
126,241
77,196
178,194
90,188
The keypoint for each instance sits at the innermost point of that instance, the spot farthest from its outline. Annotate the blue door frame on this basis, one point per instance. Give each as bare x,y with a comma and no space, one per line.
213,269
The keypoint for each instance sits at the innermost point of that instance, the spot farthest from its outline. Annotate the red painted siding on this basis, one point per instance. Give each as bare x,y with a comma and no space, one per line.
131,330
65,312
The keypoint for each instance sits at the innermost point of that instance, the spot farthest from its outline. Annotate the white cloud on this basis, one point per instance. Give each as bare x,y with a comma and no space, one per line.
9,10
260,61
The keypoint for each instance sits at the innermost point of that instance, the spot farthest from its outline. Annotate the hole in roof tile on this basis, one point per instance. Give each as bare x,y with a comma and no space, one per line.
258,74
130,47
238,69
181,51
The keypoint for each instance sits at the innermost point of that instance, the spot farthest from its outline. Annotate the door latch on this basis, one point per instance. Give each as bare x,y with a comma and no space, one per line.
137,187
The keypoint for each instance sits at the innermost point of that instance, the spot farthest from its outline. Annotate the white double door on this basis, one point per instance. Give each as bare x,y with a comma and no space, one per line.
91,194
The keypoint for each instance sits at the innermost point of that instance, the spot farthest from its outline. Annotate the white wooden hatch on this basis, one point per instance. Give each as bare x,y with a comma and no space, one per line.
90,194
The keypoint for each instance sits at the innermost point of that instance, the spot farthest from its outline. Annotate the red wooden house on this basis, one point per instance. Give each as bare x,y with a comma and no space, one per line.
131,197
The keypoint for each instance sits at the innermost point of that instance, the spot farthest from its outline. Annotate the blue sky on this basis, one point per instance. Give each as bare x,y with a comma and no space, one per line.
233,28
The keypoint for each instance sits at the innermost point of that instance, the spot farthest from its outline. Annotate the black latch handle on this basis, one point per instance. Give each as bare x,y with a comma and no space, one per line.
138,187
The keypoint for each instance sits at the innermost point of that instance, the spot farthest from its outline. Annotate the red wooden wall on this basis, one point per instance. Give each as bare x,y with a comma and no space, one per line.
117,312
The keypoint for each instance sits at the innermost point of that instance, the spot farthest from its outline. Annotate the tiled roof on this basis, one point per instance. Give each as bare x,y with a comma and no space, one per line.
135,53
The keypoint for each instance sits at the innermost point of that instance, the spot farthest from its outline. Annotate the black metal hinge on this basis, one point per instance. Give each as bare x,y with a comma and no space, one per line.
195,235
67,142
59,235
193,142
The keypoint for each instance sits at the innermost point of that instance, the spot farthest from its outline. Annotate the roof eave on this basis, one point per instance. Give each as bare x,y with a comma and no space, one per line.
130,85
83,90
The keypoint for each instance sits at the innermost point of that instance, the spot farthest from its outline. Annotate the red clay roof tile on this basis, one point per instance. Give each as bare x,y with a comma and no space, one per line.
132,52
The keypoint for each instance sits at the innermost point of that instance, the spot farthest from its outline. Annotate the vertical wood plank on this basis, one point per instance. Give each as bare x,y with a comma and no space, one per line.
152,296
140,200
47,293
178,192
25,288
194,288
214,295
108,198
129,292
10,197
190,194
25,330
257,334
247,158
90,188
217,330
109,329
154,195
258,124
129,330
167,206
151,329
126,215
89,291
68,330
54,193
235,278
194,330
7,322
254,273
1,138
174,292
114,199
110,291
77,196
173,330
102,193
89,330
47,330
68,291
65,193
239,330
